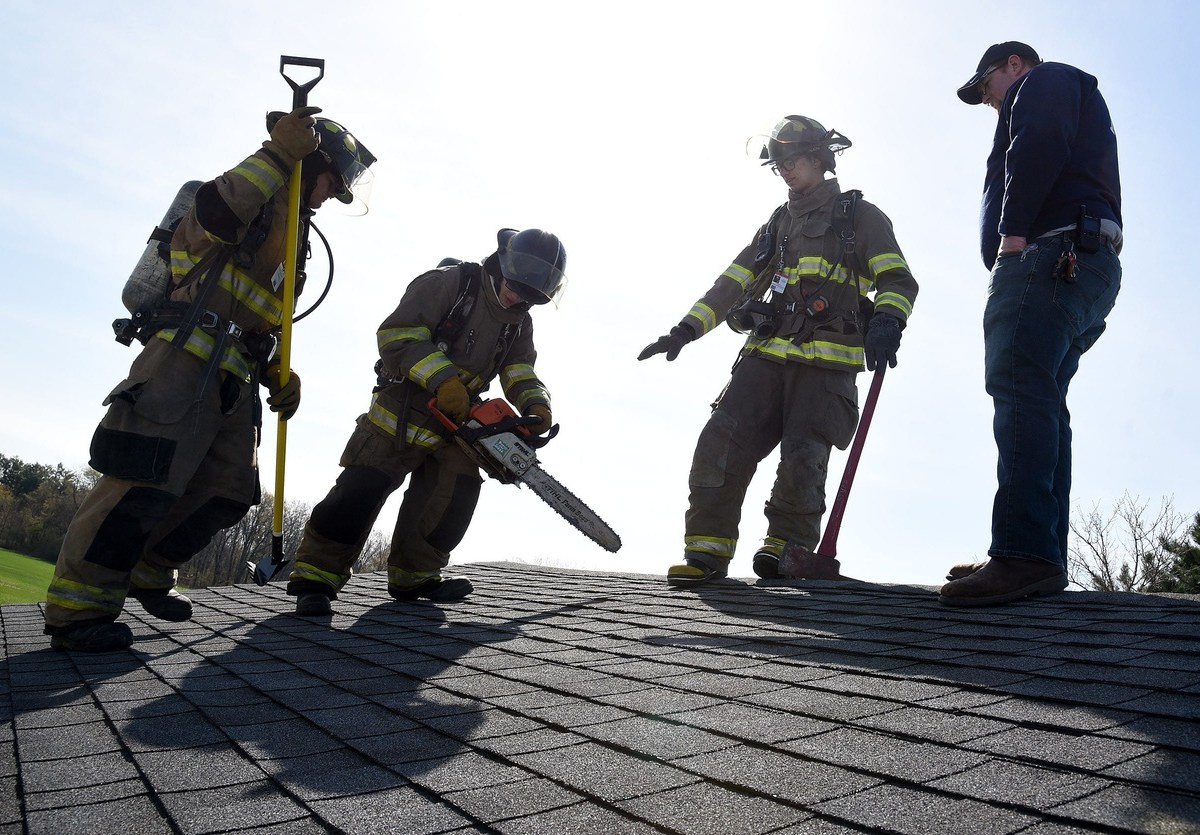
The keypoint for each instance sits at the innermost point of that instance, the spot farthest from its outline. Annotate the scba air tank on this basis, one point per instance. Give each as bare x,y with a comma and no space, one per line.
147,284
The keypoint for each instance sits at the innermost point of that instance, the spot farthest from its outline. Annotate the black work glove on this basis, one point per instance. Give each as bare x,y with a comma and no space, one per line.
883,340
671,344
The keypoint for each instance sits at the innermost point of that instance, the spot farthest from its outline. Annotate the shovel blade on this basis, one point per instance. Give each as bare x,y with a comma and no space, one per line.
265,570
801,564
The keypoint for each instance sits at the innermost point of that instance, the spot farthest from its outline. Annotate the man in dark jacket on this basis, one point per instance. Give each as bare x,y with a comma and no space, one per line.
1050,232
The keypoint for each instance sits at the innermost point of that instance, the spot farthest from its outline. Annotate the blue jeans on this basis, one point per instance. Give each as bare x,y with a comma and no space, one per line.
1035,329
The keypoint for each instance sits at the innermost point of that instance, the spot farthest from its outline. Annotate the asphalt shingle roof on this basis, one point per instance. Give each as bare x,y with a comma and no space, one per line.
556,701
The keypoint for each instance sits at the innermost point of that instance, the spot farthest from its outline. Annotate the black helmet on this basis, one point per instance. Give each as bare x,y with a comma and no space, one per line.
346,156
800,136
533,263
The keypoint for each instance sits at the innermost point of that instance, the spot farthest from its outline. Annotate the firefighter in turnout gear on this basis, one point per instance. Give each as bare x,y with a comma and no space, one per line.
456,329
801,291
177,447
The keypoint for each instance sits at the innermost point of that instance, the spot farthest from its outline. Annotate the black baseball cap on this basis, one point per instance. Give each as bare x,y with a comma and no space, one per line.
995,53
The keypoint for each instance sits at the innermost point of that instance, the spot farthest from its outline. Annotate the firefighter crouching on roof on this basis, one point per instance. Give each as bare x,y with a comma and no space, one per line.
456,329
177,448
816,261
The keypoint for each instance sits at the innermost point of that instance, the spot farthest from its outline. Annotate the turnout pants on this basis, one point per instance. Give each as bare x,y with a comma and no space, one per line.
804,410
179,465
434,515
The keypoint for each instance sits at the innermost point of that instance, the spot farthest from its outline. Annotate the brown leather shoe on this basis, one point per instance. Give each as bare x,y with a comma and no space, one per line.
964,569
1003,580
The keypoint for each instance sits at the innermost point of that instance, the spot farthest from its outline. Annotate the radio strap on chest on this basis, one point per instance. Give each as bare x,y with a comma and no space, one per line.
450,328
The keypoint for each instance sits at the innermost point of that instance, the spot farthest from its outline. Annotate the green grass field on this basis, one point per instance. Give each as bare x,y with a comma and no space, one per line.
23,579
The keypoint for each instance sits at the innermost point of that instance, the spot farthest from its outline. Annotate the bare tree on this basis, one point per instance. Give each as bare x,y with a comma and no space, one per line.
374,554
1127,549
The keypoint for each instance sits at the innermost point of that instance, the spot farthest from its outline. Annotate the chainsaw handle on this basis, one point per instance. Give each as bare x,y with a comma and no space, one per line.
505,424
442,417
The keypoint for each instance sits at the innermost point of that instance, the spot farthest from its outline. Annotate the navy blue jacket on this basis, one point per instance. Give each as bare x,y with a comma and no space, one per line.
1054,150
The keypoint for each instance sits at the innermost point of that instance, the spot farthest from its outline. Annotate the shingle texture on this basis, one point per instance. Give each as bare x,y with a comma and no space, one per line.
558,701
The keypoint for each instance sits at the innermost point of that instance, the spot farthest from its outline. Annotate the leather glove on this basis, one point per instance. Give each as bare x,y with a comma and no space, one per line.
671,344
539,410
293,135
453,400
882,342
285,398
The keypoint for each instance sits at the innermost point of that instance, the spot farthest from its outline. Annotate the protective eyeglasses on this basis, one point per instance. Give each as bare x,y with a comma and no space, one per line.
786,165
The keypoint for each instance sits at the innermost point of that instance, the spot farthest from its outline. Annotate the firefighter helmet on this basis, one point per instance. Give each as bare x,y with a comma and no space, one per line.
341,153
800,136
346,156
533,264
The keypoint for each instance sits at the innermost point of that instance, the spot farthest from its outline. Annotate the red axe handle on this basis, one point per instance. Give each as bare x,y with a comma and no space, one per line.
828,546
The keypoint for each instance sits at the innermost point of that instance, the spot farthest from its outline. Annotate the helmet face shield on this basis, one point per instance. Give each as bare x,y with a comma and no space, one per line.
350,160
533,263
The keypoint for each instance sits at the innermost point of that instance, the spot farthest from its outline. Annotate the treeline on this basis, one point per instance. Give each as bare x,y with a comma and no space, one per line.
1134,548
37,503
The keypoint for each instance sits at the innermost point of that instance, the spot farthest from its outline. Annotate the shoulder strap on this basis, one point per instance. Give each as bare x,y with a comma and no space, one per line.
766,241
843,218
452,323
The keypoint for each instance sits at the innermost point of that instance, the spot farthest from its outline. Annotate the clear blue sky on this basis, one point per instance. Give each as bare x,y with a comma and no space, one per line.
620,127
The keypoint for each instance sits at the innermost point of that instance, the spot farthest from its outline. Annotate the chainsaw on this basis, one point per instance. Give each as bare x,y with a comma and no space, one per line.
500,443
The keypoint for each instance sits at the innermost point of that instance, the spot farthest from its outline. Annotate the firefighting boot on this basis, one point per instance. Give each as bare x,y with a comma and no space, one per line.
766,559
164,604
93,636
428,585
313,604
697,569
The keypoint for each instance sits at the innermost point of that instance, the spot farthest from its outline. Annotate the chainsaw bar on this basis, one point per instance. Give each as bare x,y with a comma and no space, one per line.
567,505
492,438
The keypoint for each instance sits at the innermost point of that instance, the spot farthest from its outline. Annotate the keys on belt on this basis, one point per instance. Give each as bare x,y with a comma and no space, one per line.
1067,263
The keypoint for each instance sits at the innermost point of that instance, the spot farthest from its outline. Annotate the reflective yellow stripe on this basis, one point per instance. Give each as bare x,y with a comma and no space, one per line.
79,597
885,261
200,344
835,353
773,545
244,290
740,274
814,266
519,372
385,419
712,546
308,571
264,176
894,300
414,434
704,316
146,576
420,436
252,295
426,369
387,336
403,579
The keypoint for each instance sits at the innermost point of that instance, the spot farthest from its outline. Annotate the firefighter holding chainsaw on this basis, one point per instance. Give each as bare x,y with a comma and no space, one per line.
801,292
456,329
177,446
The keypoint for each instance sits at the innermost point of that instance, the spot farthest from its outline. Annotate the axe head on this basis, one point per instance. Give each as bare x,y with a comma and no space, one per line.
799,563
